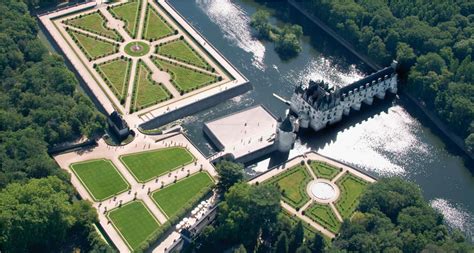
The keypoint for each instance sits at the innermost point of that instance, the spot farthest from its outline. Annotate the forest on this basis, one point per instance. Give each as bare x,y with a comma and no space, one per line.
40,106
433,41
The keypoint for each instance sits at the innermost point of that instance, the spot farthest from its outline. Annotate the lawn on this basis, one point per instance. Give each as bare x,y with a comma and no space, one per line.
129,13
185,79
134,222
93,47
182,51
147,92
156,27
293,184
324,170
150,164
116,73
101,179
351,188
94,23
324,215
173,198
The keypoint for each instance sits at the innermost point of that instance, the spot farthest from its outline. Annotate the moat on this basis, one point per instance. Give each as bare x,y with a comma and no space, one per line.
389,138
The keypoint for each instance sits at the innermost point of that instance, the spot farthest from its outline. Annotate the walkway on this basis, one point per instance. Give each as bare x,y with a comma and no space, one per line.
138,190
313,156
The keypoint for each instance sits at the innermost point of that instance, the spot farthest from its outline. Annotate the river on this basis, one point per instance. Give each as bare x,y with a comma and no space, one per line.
388,139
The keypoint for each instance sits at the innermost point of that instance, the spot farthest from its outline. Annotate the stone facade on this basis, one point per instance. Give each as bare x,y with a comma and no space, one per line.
319,105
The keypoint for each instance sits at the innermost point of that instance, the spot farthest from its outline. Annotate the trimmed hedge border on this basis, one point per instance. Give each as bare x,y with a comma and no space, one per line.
137,17
147,14
344,192
133,107
122,96
319,174
323,222
301,186
178,216
84,51
208,67
118,37
176,85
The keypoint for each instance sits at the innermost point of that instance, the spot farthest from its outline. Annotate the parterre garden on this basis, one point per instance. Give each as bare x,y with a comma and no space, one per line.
123,32
293,184
134,220
352,188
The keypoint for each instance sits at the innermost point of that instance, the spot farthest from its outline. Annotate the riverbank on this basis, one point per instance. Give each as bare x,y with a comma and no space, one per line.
454,138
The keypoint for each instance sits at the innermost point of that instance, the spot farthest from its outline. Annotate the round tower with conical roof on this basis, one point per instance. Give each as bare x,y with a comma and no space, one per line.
286,135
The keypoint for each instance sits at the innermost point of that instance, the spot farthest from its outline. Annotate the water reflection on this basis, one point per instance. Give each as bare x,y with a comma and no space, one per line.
233,22
384,139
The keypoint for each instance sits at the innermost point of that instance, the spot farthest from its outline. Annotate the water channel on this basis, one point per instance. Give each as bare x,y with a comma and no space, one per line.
388,139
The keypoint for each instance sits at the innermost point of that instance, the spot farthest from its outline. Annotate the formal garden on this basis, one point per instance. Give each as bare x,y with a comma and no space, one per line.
147,49
292,184
317,190
156,27
351,188
116,73
179,198
323,170
134,222
134,216
100,178
129,13
148,165
146,91
93,47
181,50
184,78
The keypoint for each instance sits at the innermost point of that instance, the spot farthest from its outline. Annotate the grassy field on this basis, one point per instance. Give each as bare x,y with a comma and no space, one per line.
293,185
101,179
183,78
93,47
182,51
175,197
324,215
147,91
156,27
324,170
95,23
351,188
117,74
150,164
129,14
134,222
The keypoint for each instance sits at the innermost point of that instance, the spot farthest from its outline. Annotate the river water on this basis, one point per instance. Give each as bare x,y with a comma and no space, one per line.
387,139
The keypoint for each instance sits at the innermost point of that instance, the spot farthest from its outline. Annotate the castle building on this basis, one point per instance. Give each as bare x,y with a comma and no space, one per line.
318,105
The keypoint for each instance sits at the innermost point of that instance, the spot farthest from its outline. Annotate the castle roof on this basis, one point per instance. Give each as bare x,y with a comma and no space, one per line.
286,125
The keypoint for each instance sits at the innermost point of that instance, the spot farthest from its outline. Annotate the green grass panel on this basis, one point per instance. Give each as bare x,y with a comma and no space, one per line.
100,178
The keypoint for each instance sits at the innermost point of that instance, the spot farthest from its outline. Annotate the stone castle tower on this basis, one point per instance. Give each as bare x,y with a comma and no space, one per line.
286,135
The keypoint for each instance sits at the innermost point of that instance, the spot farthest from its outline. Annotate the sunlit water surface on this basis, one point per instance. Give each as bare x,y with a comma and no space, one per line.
383,140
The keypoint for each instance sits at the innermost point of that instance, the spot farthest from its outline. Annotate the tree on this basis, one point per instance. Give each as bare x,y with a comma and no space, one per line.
282,243
35,216
240,249
470,143
317,244
303,249
394,217
298,236
229,174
